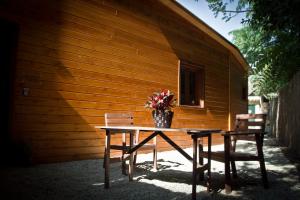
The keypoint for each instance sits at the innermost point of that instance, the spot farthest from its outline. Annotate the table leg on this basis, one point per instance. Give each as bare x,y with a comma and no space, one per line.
136,147
155,154
227,164
195,144
175,146
104,161
130,170
107,159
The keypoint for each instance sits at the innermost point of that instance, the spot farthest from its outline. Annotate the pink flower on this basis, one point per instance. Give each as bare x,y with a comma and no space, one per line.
162,101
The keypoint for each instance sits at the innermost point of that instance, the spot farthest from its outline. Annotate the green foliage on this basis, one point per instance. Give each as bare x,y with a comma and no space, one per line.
262,81
277,15
270,40
273,61
251,45
239,6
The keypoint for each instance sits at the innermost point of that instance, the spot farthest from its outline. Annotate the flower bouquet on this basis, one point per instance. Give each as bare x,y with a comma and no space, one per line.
162,102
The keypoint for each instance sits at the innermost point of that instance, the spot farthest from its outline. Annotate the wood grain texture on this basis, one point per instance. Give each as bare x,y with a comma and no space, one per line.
83,58
238,81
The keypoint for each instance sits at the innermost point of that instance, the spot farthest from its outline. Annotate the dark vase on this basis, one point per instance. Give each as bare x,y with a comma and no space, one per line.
162,119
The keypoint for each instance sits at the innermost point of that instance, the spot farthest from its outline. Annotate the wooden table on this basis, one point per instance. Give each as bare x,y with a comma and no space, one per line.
198,168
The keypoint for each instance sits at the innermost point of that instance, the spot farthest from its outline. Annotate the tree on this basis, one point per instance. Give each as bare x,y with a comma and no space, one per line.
219,6
269,41
272,61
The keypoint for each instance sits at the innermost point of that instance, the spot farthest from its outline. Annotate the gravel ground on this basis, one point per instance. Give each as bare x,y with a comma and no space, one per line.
84,179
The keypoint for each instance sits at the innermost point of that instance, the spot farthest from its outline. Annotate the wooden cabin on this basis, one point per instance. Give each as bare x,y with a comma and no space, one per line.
68,62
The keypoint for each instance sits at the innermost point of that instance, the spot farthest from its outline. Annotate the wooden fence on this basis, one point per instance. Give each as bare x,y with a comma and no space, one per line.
284,116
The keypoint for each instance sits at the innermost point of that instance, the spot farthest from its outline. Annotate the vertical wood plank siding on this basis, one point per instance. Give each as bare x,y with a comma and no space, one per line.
82,58
239,82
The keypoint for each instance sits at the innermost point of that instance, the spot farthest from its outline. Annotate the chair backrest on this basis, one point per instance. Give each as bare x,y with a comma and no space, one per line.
250,122
118,119
246,122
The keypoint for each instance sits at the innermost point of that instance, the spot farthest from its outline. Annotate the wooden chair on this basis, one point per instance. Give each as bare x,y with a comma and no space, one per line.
126,119
249,127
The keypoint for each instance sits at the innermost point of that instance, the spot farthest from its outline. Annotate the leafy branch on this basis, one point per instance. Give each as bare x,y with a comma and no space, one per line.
270,39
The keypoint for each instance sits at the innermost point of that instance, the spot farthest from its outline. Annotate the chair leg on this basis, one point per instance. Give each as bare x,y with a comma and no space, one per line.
208,184
261,160
264,173
123,153
200,149
194,185
136,141
155,154
233,147
227,164
234,174
107,160
130,169
134,158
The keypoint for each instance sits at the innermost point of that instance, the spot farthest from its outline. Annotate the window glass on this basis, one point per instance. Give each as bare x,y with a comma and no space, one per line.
191,84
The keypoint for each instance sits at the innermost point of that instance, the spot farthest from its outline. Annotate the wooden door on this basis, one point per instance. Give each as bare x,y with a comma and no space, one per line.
8,43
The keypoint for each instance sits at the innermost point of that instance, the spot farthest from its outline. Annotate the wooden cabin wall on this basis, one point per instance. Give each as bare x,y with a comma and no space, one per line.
80,59
238,90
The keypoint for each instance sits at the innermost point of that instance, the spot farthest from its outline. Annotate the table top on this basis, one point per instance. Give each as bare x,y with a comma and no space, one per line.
143,128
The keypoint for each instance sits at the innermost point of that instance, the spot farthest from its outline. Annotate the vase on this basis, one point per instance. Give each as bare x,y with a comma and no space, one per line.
162,119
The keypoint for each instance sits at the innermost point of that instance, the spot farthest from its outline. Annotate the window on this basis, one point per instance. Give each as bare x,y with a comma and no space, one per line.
191,84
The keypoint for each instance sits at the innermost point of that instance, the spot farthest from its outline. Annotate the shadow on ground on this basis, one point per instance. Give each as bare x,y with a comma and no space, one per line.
84,179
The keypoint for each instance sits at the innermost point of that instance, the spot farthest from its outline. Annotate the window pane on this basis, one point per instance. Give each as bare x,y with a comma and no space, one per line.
182,86
192,88
191,85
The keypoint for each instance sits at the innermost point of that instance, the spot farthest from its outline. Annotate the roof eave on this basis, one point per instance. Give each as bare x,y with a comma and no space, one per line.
186,14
